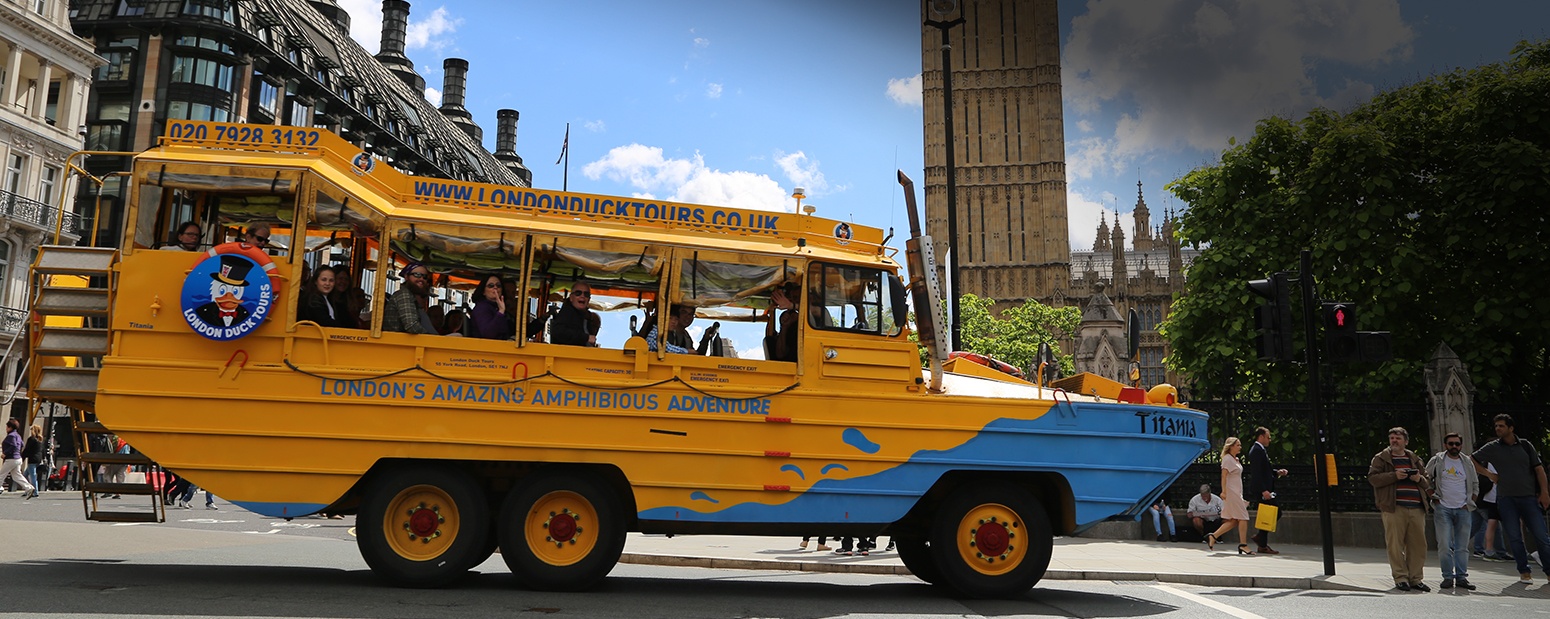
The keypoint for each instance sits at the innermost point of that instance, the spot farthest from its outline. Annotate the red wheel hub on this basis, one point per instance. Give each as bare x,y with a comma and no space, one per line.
991,538
562,527
424,522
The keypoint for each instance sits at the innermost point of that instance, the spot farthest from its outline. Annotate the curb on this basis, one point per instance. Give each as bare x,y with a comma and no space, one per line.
1319,583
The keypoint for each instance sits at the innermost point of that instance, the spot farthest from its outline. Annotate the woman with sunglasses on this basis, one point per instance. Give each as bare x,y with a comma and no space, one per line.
489,318
184,238
575,324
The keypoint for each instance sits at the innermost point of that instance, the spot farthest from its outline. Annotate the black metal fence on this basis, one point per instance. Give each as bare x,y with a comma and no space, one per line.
1358,430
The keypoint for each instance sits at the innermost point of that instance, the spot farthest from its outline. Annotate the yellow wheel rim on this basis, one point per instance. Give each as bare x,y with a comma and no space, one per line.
421,523
990,539
561,528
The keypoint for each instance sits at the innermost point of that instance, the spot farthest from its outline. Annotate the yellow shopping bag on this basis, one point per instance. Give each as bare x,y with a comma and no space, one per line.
1265,520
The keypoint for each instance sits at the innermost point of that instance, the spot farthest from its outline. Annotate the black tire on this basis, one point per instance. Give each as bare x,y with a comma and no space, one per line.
588,529
1001,518
423,526
917,558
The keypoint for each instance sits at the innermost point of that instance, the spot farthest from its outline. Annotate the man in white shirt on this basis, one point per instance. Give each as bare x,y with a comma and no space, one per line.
1205,511
1454,476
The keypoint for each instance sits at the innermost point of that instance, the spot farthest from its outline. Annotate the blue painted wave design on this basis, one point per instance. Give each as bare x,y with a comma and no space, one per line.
829,467
1111,469
855,438
701,496
795,469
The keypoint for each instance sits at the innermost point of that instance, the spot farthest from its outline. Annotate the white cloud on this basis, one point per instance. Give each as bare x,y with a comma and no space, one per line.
1089,157
1085,126
432,32
906,91
1191,73
595,126
1083,213
433,96
713,91
803,172
365,22
701,42
645,168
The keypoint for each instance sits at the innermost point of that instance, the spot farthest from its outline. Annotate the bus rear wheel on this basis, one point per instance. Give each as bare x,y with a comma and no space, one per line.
561,531
917,558
423,526
991,540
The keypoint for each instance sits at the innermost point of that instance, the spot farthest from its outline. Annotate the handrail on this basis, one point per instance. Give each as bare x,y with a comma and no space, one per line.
15,387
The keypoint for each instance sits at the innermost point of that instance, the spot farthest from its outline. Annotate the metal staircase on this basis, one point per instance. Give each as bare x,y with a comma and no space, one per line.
78,282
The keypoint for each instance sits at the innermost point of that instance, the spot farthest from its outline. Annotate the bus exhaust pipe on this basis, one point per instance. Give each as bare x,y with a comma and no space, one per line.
925,290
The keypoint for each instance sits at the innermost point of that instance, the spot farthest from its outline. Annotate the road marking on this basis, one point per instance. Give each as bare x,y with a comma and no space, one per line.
269,532
212,521
1204,601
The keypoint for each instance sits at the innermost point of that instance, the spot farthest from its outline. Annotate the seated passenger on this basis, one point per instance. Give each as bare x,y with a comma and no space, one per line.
780,344
576,324
320,304
489,318
405,310
257,235
678,339
184,238
454,323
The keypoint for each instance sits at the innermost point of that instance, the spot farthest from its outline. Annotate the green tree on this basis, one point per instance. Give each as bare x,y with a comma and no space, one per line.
1015,336
1425,206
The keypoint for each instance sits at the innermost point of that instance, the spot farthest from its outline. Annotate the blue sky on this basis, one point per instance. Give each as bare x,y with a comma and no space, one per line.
736,103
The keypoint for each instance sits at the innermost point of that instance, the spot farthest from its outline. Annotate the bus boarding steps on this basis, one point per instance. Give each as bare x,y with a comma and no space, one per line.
84,339
93,491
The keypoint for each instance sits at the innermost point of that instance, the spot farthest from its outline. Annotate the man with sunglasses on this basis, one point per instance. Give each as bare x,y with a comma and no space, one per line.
1453,475
257,235
576,324
406,309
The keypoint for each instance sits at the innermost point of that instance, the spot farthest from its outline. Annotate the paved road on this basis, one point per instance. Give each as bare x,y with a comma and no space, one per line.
232,563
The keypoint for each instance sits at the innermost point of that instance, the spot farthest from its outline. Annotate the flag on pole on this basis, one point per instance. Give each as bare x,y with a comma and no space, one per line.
564,147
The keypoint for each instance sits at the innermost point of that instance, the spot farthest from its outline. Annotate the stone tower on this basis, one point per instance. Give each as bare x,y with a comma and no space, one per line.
1013,243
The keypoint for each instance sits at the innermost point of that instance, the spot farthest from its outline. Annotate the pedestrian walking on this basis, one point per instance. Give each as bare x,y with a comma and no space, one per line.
11,459
1262,480
1235,510
32,456
1522,506
1490,543
822,543
1453,475
1400,491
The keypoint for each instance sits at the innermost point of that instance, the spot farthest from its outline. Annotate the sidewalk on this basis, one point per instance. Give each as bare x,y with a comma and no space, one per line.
1297,567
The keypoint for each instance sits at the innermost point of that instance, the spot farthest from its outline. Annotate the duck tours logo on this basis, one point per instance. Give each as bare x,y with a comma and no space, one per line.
226,297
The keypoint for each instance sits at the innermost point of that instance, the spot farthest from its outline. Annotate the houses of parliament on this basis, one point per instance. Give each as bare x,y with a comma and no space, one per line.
1010,184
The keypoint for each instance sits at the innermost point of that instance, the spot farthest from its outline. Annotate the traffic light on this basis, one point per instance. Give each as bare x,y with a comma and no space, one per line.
1344,344
1340,339
1273,317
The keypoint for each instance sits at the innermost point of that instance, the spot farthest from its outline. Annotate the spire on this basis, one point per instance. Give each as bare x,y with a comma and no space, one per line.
1143,222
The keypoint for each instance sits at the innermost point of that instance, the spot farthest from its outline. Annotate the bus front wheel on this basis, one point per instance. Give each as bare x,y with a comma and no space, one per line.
561,531
991,540
423,526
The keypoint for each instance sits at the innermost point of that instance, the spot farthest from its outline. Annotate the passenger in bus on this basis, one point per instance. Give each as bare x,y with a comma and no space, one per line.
454,324
257,235
358,307
780,341
678,340
185,237
576,324
489,318
320,303
405,310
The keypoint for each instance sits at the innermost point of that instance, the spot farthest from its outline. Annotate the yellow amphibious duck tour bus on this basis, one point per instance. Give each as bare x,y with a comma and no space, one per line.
446,447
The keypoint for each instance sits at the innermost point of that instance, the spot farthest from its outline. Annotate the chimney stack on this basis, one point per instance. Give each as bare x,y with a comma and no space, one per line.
506,145
453,86
395,22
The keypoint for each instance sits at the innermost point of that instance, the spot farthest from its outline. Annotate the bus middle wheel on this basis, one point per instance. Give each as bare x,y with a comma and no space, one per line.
423,526
561,531
991,540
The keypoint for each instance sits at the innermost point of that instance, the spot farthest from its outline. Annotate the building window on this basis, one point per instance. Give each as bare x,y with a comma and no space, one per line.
5,266
131,8
47,183
215,9
187,110
13,172
268,98
186,70
206,43
300,115
120,67
105,137
40,7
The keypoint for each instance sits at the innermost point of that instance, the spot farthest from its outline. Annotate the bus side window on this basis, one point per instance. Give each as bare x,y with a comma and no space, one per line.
727,300
854,299
582,291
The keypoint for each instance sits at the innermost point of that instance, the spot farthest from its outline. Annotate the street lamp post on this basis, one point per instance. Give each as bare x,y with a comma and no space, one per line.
943,8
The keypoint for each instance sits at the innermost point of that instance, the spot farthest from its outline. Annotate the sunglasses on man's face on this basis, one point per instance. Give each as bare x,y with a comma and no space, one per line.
262,240
419,275
1453,444
581,294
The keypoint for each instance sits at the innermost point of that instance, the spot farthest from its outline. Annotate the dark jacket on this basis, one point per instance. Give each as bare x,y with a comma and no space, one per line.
315,306
487,321
33,452
572,326
1262,474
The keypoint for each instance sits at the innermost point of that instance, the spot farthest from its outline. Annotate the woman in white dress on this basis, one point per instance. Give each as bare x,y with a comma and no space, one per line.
1235,510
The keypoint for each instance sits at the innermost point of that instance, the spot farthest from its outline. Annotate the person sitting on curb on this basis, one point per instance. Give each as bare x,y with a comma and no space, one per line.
1160,511
1205,511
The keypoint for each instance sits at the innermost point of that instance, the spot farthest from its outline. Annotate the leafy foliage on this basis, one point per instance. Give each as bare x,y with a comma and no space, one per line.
1015,336
1425,206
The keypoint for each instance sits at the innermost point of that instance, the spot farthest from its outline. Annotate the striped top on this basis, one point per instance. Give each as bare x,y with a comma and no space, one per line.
1406,493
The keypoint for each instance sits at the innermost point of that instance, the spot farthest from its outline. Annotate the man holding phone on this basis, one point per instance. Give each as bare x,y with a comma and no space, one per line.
1401,492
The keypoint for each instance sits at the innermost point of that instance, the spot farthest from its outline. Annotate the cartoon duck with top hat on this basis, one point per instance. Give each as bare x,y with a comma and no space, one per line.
229,283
